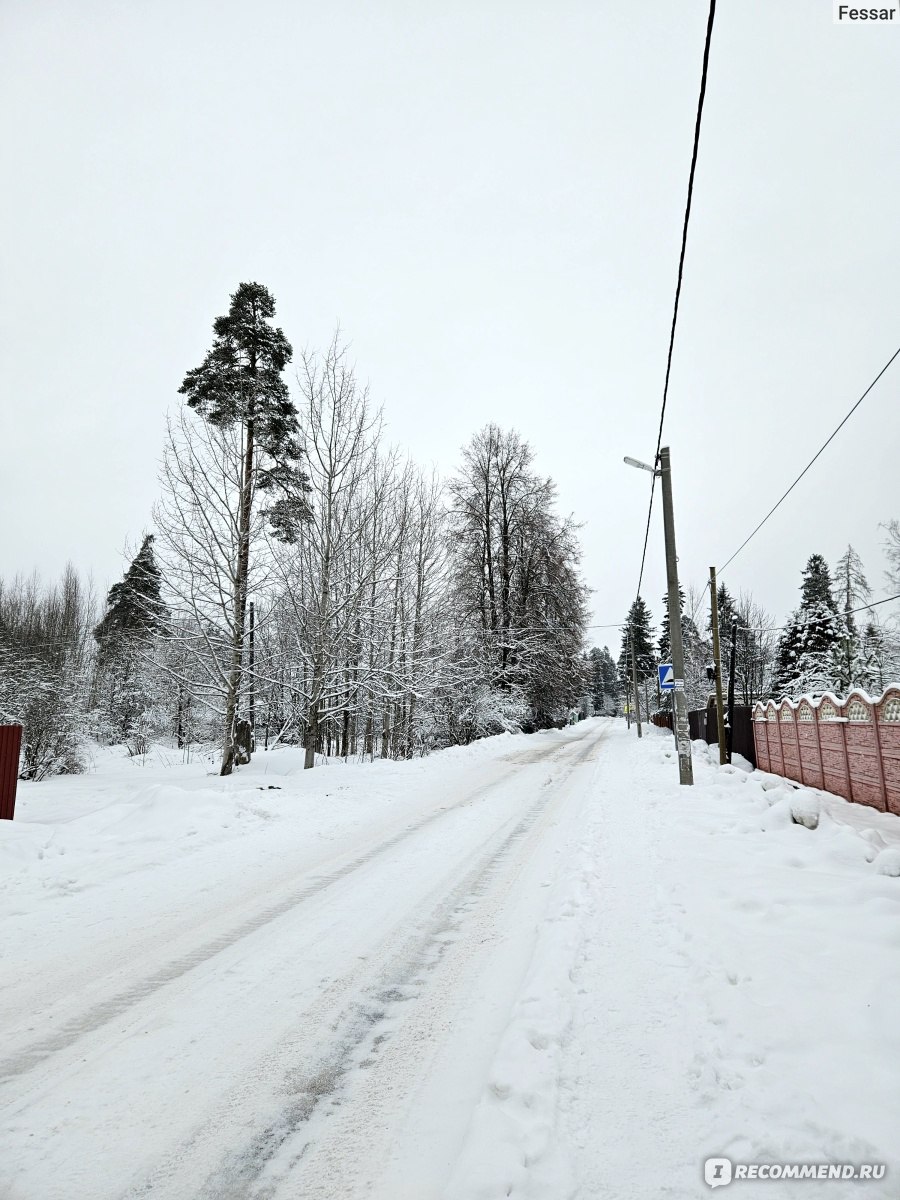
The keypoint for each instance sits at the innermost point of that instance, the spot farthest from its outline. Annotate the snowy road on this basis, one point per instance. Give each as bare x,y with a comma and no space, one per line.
318,1023
534,967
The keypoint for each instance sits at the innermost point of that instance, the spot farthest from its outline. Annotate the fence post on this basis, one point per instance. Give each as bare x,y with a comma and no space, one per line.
757,738
815,708
888,714
842,720
772,738
880,757
796,712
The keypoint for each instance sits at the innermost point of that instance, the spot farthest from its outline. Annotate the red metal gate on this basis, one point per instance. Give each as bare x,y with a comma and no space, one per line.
10,745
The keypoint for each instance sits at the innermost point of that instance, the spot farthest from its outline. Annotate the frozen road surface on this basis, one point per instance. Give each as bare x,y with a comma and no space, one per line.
533,967
311,1019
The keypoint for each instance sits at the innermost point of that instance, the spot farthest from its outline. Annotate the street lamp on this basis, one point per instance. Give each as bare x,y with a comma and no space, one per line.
636,462
682,730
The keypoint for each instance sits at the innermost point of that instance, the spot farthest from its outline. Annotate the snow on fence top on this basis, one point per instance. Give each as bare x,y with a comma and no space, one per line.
849,746
859,705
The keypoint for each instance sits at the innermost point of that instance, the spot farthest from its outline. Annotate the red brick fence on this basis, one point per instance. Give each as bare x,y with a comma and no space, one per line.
851,746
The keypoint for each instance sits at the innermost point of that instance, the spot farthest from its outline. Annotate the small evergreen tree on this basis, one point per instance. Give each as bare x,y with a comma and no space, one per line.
604,685
134,607
808,654
637,627
728,615
134,616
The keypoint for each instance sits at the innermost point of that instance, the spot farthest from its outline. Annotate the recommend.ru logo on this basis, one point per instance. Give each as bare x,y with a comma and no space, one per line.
719,1171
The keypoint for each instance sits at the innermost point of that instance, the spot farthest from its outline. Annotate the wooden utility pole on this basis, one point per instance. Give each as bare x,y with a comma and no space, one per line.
717,662
637,702
731,689
682,730
252,668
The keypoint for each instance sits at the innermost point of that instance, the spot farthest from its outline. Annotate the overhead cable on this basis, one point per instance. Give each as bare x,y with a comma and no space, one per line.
684,234
826,443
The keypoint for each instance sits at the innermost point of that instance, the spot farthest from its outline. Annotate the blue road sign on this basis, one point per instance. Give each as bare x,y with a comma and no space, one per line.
666,677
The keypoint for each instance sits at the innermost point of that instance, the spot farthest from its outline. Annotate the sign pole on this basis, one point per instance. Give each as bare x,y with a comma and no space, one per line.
665,682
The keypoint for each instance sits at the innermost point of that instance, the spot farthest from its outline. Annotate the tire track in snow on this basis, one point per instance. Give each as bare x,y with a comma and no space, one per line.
106,1011
362,1029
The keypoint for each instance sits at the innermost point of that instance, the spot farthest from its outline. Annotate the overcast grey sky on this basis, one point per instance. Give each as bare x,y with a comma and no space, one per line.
488,197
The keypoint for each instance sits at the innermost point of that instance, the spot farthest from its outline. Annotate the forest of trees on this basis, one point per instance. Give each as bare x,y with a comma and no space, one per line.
830,642
306,581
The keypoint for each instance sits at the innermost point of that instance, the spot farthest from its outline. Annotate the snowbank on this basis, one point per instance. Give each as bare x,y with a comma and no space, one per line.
717,975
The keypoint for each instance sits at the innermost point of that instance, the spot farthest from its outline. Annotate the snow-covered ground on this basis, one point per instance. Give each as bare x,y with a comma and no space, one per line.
533,967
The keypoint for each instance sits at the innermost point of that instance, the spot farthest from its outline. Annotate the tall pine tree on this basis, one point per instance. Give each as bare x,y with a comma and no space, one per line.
239,384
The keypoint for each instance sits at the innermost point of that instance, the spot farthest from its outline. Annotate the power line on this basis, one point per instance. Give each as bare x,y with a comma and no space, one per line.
684,234
814,620
827,441
12,643
794,484
764,628
700,600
